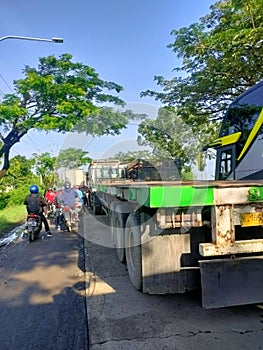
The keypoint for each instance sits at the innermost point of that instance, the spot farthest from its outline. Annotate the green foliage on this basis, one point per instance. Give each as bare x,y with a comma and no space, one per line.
106,121
4,198
170,137
221,57
72,158
20,170
62,92
45,166
131,156
187,174
56,96
7,218
18,195
15,184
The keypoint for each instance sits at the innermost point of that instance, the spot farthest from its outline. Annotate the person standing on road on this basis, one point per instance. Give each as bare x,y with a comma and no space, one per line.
37,204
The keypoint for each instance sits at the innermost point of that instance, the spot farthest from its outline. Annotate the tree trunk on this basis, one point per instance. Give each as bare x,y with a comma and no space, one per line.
2,173
8,142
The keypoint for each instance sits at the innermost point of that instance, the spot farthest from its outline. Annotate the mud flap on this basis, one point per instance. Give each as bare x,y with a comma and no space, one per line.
229,282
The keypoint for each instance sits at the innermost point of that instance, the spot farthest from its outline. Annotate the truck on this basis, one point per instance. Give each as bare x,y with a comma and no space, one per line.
176,236
103,171
75,176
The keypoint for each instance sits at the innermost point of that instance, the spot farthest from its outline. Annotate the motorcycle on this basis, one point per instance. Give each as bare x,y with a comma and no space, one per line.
65,217
69,217
33,226
51,210
78,207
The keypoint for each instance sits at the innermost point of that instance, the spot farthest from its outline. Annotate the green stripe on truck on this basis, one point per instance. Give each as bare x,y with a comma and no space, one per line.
179,196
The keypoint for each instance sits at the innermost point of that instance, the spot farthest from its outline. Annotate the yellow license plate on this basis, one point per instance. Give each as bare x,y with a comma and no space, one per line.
252,219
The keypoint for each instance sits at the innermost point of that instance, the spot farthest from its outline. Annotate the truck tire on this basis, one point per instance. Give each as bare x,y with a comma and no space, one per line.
118,237
97,209
95,205
120,217
112,216
133,250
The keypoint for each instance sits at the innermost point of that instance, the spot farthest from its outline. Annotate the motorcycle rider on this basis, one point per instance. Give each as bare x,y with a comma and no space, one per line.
37,204
79,192
68,197
58,211
79,200
50,195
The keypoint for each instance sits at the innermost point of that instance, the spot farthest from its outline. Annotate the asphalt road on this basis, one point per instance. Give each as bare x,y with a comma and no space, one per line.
42,294
71,292
120,317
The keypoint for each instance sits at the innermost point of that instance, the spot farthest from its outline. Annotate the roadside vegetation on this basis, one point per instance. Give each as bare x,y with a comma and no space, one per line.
39,170
11,216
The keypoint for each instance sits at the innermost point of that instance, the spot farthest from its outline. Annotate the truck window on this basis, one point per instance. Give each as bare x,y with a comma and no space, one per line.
226,163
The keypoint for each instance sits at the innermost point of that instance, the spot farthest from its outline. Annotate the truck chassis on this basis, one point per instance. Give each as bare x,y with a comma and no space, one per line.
178,236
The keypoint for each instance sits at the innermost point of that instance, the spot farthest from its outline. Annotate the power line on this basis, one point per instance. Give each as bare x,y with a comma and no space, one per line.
2,93
6,83
37,148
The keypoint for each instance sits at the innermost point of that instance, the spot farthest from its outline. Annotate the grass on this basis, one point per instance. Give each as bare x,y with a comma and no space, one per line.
11,216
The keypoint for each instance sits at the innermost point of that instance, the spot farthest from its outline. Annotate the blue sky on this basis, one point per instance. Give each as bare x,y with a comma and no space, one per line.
124,40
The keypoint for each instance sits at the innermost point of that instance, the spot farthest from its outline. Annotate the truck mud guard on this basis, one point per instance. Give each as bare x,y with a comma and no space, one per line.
232,281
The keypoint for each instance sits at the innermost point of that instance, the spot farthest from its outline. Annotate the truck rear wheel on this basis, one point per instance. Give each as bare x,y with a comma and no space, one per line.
112,217
120,216
133,250
95,204
97,209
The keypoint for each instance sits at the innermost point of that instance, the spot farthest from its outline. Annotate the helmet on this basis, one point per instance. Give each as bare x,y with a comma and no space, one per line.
67,184
33,189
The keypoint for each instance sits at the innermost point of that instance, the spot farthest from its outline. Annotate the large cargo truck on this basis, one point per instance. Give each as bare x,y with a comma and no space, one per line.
176,236
75,176
103,171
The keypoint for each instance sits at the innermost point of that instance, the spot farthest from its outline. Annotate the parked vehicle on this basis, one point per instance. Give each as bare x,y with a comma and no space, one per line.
176,236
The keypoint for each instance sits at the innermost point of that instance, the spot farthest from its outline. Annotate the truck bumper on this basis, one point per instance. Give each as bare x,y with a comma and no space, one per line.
229,282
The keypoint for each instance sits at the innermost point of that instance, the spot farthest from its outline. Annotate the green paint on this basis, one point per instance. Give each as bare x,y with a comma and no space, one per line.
255,193
181,196
172,196
177,196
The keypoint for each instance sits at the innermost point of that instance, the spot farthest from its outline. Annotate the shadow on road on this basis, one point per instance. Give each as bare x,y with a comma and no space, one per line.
42,294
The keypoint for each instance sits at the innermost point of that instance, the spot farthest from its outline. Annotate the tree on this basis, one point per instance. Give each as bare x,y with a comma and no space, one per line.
132,155
20,171
45,167
221,57
15,185
106,121
56,96
72,158
170,137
